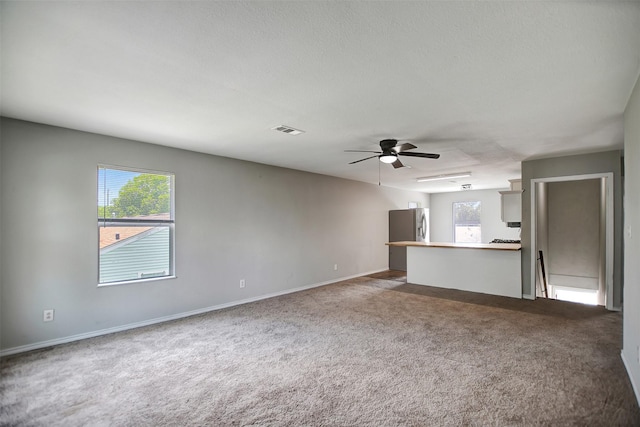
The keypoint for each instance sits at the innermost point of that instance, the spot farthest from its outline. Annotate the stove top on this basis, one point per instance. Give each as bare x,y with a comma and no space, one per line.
504,241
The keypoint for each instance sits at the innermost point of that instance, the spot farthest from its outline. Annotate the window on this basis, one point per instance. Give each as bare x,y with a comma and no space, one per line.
466,222
135,225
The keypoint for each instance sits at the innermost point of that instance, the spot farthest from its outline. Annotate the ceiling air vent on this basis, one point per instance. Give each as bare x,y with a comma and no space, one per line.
288,129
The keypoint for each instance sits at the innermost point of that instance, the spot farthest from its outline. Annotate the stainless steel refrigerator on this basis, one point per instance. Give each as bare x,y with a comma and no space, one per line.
406,225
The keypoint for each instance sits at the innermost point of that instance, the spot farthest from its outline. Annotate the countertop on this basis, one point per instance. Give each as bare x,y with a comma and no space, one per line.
489,246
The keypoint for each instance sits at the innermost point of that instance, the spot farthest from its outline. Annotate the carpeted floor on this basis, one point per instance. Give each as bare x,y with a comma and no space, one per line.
372,351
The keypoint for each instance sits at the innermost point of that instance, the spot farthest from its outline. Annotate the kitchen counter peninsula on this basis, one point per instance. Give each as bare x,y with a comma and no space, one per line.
490,268
491,246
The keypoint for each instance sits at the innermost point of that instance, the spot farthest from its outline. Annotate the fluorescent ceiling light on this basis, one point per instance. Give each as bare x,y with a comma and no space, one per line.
444,176
388,158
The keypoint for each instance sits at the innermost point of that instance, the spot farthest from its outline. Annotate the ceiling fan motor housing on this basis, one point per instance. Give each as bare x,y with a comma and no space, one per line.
388,144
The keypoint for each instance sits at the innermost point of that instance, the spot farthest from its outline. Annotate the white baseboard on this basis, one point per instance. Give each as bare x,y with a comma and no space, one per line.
92,334
636,390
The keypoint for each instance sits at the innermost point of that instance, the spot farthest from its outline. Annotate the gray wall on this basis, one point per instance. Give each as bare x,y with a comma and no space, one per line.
1,238
574,228
441,215
631,316
277,228
603,162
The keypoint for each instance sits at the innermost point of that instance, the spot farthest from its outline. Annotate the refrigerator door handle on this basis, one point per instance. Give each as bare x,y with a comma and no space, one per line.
423,227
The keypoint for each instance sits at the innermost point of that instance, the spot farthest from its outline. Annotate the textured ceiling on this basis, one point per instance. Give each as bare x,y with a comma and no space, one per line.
485,84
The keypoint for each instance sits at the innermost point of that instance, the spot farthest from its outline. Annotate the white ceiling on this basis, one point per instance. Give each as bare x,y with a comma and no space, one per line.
485,84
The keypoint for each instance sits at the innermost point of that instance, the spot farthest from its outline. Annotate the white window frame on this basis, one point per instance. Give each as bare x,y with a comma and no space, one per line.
171,274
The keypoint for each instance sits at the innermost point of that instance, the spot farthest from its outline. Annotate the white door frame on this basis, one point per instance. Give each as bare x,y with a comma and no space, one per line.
608,271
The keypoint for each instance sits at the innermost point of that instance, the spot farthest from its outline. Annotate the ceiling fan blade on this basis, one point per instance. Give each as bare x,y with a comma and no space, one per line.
362,151
404,147
362,160
423,155
397,164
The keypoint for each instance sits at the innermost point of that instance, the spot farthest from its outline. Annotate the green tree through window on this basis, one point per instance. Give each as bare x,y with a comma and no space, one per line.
145,194
467,213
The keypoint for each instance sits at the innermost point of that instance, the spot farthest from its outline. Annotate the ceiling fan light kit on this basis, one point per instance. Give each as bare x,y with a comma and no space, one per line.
388,158
444,176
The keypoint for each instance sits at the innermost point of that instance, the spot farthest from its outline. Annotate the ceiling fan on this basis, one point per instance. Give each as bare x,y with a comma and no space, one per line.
390,152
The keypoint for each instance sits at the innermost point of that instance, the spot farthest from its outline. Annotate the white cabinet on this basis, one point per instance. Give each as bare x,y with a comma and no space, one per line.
511,206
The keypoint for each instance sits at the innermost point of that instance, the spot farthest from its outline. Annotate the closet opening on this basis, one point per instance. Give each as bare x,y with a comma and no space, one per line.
572,238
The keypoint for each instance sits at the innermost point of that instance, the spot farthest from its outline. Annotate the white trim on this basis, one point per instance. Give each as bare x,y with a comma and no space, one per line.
635,387
533,219
609,231
134,281
134,169
78,337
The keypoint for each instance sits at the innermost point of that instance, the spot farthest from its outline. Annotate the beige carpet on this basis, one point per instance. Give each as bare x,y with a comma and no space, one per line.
371,351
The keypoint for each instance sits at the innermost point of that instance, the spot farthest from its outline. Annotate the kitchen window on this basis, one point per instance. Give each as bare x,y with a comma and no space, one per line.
466,222
135,225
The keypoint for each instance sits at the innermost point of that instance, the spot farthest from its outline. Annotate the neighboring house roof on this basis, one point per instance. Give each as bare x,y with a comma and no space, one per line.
159,216
111,235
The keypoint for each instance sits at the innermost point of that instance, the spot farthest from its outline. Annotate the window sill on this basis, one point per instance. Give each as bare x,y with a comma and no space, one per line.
131,282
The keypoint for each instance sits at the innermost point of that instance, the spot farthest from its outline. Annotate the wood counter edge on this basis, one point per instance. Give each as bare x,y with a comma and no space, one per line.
490,246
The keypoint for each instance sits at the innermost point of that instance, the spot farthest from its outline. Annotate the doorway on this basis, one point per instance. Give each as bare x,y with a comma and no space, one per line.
572,224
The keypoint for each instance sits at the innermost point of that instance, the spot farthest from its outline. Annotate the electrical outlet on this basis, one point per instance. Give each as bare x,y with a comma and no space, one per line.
335,267
242,283
47,315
